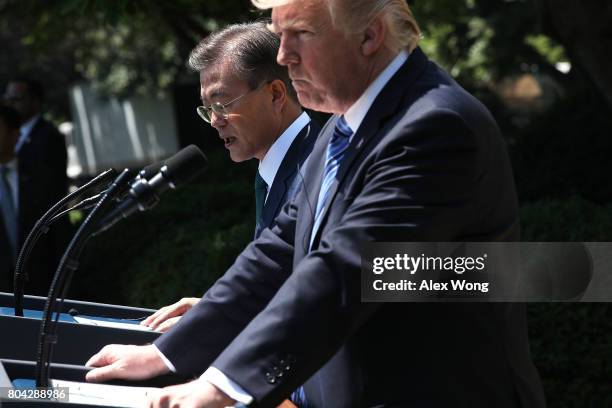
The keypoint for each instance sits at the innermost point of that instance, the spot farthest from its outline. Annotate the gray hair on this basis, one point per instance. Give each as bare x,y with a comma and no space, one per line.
249,48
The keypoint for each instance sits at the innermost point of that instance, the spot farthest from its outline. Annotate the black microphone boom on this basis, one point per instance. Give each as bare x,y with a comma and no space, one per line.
145,173
144,194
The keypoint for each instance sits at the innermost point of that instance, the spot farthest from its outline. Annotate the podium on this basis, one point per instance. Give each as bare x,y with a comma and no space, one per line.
77,342
16,369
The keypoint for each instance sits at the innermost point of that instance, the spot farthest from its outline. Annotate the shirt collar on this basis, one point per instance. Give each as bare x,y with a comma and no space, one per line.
26,129
269,165
357,112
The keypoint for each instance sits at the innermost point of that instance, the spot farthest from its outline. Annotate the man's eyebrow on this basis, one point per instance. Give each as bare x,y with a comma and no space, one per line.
290,23
215,93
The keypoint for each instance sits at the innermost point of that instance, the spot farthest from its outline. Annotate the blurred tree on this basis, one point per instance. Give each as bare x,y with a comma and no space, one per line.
126,46
121,46
584,28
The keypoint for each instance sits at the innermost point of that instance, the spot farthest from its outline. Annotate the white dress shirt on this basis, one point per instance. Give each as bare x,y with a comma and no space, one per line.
357,112
269,165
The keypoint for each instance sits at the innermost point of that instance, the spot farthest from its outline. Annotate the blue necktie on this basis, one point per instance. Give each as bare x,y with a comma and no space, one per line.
335,153
7,207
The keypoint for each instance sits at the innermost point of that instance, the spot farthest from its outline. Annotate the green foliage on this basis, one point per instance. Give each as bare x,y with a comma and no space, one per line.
178,249
565,152
573,219
547,48
571,343
572,347
123,47
480,41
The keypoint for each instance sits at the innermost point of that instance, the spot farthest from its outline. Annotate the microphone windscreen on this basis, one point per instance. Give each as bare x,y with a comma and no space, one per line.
185,165
151,170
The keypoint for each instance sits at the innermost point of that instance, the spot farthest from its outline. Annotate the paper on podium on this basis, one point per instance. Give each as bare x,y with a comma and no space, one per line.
106,323
106,395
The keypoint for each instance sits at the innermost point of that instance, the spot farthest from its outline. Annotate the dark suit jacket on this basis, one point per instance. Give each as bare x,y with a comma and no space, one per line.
45,151
426,164
42,182
287,180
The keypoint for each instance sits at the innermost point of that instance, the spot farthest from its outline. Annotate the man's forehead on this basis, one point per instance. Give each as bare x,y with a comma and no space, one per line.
297,13
218,81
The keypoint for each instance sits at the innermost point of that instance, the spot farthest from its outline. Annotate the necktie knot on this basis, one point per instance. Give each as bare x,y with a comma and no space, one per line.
342,129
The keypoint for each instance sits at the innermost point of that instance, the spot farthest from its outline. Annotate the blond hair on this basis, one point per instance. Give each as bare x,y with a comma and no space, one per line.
351,15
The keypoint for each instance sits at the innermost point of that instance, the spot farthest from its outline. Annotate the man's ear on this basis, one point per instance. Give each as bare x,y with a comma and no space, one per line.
278,90
373,36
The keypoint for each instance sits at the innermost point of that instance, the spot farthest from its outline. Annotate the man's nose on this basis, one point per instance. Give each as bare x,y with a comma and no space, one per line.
286,52
217,120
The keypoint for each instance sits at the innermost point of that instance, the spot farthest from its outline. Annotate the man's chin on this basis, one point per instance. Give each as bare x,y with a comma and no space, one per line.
313,101
237,158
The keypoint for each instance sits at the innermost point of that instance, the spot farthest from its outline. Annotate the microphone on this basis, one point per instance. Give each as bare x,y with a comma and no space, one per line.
144,193
146,173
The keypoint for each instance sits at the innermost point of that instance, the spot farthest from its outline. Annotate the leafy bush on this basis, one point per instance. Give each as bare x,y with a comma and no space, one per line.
194,235
564,153
179,248
571,343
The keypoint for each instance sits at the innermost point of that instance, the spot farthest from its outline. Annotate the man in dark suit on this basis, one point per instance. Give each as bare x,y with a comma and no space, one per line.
25,194
263,121
41,153
40,144
409,156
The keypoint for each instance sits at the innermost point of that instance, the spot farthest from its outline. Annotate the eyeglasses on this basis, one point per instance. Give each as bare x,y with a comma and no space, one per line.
219,108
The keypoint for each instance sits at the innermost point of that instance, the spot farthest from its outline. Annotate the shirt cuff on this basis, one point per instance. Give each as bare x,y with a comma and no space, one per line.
233,390
167,362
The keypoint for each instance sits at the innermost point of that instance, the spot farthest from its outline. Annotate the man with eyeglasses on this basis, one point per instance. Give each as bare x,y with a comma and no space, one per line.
249,99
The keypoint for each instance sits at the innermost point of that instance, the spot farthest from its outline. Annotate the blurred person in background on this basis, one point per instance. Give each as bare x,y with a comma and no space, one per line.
40,157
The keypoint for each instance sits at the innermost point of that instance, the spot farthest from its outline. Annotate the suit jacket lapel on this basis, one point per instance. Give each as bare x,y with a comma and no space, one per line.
283,178
312,183
392,94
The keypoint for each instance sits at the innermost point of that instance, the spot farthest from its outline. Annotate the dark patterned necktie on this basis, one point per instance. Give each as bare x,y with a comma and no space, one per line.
261,189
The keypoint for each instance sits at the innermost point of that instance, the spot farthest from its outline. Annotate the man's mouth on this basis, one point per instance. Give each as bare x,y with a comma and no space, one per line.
228,141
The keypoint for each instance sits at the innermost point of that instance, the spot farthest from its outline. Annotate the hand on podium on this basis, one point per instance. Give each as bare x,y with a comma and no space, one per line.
199,393
167,316
118,361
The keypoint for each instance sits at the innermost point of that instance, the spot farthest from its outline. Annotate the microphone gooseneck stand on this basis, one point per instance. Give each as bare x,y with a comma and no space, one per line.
61,280
41,227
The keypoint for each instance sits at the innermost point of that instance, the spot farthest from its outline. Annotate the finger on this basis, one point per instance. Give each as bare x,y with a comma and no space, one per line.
174,310
165,326
101,358
159,400
102,374
151,318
